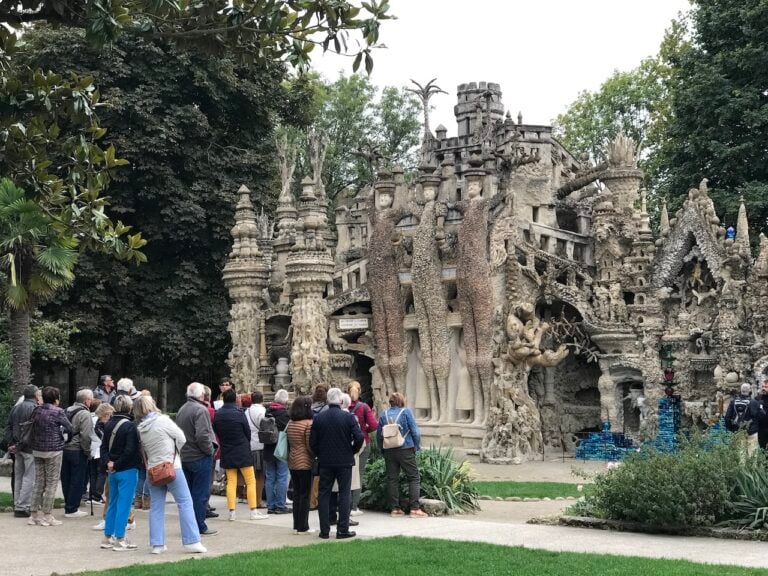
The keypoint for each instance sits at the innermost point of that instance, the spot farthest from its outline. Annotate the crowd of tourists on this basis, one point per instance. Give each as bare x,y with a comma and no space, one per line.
113,447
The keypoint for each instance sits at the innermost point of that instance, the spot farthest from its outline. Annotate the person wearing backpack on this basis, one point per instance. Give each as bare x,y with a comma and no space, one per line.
742,414
399,438
277,476
74,465
24,462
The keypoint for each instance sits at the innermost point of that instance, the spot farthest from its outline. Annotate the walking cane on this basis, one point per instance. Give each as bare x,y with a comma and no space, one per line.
90,483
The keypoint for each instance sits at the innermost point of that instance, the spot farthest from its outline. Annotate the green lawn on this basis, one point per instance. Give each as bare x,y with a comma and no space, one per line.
528,489
408,556
6,501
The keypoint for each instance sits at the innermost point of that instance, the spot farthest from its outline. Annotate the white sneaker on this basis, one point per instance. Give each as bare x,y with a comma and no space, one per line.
305,532
99,526
108,543
196,548
131,525
76,514
232,515
256,515
288,502
124,546
356,512
159,549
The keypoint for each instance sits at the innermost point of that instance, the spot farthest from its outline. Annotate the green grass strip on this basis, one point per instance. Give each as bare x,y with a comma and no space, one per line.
507,489
6,501
408,556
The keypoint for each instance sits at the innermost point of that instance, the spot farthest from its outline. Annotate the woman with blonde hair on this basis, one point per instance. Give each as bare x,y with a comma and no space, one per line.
367,421
161,441
401,457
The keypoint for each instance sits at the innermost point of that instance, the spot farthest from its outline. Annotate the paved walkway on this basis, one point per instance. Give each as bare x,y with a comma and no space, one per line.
73,547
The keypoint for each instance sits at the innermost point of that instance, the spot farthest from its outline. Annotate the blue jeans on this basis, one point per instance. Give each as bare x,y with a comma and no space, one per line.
276,473
74,469
142,486
198,475
183,498
121,487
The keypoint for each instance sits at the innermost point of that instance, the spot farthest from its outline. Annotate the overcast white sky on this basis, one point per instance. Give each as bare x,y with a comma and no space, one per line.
541,52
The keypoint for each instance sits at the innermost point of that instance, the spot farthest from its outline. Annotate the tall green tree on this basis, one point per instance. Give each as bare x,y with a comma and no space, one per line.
194,129
54,169
359,121
633,102
718,124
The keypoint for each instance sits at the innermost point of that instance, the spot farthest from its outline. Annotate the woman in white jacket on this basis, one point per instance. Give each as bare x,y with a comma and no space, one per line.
161,441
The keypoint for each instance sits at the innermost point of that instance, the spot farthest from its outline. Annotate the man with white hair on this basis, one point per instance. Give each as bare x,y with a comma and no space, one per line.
197,453
335,438
74,463
124,388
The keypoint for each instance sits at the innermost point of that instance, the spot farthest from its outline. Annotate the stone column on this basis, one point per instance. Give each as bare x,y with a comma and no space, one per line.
245,276
309,271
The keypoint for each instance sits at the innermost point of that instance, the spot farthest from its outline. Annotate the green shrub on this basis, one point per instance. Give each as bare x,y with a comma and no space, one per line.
442,478
691,487
748,505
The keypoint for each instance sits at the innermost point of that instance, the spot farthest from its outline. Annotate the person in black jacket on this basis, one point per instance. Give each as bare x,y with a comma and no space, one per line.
120,450
234,434
335,438
762,414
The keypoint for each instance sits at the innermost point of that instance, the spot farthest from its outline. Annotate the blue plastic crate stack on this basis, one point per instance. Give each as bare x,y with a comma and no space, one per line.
605,445
668,425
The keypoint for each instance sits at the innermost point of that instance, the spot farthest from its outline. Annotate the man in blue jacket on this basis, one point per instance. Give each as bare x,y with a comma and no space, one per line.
335,438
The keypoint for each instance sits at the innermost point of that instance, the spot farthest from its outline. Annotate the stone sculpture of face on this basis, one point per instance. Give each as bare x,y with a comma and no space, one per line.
429,194
385,201
474,188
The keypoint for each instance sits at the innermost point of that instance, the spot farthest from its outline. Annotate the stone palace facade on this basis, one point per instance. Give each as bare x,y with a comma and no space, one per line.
514,293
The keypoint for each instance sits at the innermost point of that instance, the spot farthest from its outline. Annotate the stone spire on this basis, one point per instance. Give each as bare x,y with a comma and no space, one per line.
309,271
645,221
664,219
742,227
245,275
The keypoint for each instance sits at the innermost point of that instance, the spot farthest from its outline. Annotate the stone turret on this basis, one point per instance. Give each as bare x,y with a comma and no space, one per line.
622,176
245,275
469,95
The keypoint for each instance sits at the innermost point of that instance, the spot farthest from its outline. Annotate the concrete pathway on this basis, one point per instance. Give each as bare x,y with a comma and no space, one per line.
73,547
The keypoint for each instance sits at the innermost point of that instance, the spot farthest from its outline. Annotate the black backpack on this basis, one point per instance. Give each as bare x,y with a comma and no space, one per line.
740,407
268,430
26,432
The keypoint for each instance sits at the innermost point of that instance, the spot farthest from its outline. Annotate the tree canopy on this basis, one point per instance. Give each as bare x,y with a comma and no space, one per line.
193,129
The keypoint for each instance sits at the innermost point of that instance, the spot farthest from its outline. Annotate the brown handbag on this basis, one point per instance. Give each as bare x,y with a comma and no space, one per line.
162,474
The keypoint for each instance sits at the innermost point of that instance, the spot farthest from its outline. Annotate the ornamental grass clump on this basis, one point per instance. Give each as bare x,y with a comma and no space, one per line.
748,504
690,487
442,478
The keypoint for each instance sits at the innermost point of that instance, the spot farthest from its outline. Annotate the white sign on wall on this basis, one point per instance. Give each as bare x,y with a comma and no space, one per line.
353,323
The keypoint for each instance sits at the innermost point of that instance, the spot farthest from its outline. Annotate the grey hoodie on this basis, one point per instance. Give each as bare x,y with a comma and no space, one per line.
161,439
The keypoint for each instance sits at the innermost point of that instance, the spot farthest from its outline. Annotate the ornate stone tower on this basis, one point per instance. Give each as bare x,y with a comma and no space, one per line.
245,275
309,271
